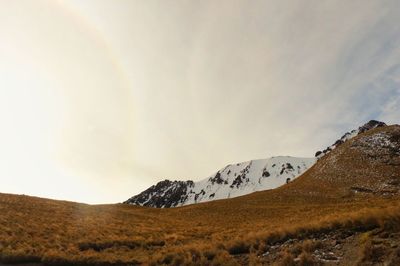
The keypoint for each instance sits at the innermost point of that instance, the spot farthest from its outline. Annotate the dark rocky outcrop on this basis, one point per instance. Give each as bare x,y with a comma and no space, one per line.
266,173
164,194
216,179
370,125
286,168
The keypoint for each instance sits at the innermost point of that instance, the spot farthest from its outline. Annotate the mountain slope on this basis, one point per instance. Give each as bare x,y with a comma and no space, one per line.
232,181
368,164
349,135
341,210
237,179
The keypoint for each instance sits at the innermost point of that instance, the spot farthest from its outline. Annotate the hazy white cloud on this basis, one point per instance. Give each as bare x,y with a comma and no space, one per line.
177,89
391,110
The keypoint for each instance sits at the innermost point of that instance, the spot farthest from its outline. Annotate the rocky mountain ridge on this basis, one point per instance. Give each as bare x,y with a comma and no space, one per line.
349,135
238,179
231,181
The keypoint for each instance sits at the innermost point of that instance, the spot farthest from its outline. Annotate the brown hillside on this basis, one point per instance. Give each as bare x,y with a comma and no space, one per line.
367,164
350,196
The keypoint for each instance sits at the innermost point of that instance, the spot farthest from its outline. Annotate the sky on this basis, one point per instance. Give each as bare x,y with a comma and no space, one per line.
101,99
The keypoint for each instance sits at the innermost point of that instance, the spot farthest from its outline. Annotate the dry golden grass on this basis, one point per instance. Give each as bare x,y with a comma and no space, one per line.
57,232
214,233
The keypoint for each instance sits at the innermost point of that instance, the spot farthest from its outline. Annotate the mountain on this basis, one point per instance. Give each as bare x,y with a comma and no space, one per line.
367,164
349,135
237,179
342,211
231,181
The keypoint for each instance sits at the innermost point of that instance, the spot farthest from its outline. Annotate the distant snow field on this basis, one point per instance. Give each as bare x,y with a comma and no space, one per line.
247,177
232,181
242,178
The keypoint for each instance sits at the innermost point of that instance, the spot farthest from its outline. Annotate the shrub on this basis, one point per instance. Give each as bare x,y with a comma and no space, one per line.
239,247
209,254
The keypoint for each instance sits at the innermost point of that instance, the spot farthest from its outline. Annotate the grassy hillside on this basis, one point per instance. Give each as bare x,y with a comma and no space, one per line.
350,197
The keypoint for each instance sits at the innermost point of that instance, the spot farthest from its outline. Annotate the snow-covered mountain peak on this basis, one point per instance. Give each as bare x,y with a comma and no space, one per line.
237,179
231,181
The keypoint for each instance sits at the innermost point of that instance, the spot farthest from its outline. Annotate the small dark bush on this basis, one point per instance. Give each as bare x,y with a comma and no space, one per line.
239,247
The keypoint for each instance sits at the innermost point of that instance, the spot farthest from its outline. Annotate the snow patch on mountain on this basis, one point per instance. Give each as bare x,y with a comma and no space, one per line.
231,181
242,178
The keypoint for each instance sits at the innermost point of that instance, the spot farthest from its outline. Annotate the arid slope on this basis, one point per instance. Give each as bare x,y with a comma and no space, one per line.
353,189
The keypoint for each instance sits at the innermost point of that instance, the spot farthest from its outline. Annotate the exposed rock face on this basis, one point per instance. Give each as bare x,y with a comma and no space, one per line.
164,194
216,179
370,125
349,135
232,181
